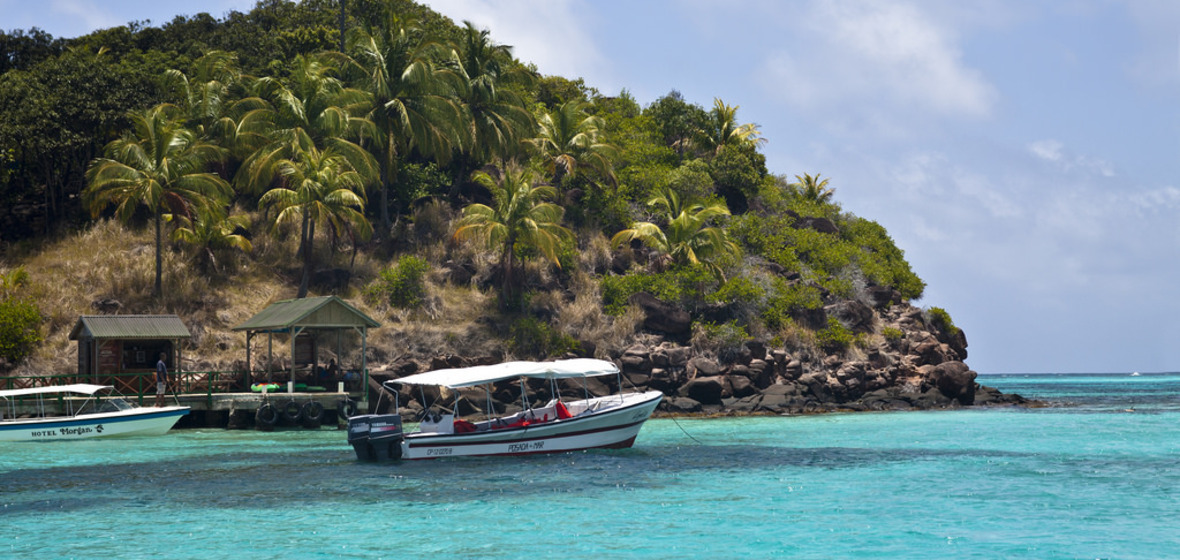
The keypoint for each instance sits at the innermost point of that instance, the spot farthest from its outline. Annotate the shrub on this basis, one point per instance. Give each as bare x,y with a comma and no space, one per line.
789,300
402,285
726,339
685,286
737,290
20,329
834,337
942,320
892,334
529,336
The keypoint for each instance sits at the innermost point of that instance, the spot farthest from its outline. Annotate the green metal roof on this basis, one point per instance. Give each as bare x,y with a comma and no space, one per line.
127,327
325,312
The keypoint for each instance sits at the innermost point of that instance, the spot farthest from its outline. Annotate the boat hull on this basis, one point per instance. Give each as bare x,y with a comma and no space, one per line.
613,428
124,423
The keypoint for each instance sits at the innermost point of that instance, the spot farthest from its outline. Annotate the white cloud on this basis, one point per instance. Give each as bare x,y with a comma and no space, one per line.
87,13
1054,152
878,59
548,33
1049,150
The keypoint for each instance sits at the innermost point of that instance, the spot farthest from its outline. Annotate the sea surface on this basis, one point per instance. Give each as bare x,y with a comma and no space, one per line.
1096,475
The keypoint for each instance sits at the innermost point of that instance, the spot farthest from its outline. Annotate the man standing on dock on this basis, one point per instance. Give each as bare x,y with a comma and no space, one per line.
161,380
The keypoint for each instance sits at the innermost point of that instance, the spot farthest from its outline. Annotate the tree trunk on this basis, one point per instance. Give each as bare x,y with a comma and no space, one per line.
158,290
507,297
309,237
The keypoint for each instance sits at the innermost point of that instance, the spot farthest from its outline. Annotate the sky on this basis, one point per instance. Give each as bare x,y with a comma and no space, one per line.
1022,154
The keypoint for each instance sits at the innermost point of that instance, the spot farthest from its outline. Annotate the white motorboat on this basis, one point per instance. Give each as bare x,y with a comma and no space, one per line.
85,413
593,422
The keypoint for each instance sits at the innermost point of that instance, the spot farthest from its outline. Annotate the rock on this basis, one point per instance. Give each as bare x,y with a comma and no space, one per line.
679,356
882,297
757,349
681,404
702,366
741,387
106,306
662,317
853,314
632,363
705,390
956,381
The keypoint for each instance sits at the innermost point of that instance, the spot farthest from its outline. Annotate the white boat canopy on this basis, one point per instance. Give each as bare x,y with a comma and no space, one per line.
80,388
455,378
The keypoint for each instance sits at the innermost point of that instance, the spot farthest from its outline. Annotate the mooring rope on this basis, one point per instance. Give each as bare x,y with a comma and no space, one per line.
685,431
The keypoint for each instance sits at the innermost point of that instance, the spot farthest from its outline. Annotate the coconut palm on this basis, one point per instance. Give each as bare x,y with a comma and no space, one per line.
211,234
311,110
570,138
412,100
812,188
319,188
521,216
214,97
686,239
722,129
159,165
496,118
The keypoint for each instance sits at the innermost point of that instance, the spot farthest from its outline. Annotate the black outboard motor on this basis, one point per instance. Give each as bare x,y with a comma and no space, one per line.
376,437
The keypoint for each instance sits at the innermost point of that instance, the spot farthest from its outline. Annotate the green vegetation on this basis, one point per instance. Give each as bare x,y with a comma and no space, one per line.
942,320
402,285
530,336
20,320
233,134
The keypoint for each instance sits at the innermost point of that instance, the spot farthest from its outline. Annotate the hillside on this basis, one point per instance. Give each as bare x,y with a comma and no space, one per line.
480,211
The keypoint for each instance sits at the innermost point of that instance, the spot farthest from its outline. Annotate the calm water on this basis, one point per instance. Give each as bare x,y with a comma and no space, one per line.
1098,477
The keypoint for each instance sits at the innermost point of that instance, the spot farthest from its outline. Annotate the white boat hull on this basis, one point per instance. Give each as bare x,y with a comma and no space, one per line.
133,422
615,426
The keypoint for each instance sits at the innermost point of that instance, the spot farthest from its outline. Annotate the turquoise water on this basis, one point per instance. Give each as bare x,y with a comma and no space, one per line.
1096,477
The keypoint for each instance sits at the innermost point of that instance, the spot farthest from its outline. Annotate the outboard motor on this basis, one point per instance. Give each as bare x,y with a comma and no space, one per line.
385,436
376,437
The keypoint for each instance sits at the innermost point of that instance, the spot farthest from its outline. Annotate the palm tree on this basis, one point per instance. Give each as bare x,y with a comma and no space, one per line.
211,233
412,101
214,99
722,129
312,110
570,138
158,164
812,188
687,239
319,187
522,216
496,118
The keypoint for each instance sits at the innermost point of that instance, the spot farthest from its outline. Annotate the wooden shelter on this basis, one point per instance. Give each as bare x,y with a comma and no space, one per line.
112,345
302,319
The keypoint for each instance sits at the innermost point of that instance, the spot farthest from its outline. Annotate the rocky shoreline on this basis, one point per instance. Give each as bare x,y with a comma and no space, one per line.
921,367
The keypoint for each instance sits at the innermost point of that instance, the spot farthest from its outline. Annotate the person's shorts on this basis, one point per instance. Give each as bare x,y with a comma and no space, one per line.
161,388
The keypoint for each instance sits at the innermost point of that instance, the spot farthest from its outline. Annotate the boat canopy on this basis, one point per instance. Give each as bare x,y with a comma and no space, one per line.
455,378
82,388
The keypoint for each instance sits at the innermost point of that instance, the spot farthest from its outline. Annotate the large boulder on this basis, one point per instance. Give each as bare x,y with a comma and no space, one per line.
956,381
705,390
662,317
853,314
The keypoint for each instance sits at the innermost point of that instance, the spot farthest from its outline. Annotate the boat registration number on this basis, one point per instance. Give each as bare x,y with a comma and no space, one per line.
439,451
532,446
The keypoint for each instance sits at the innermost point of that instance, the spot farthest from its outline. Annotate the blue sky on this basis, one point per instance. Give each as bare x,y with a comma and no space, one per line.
1022,154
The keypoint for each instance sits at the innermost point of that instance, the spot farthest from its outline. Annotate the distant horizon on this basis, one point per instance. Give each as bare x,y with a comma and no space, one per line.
1080,373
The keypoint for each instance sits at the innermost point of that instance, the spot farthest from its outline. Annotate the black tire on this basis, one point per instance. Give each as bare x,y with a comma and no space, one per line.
292,411
312,415
266,417
346,408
